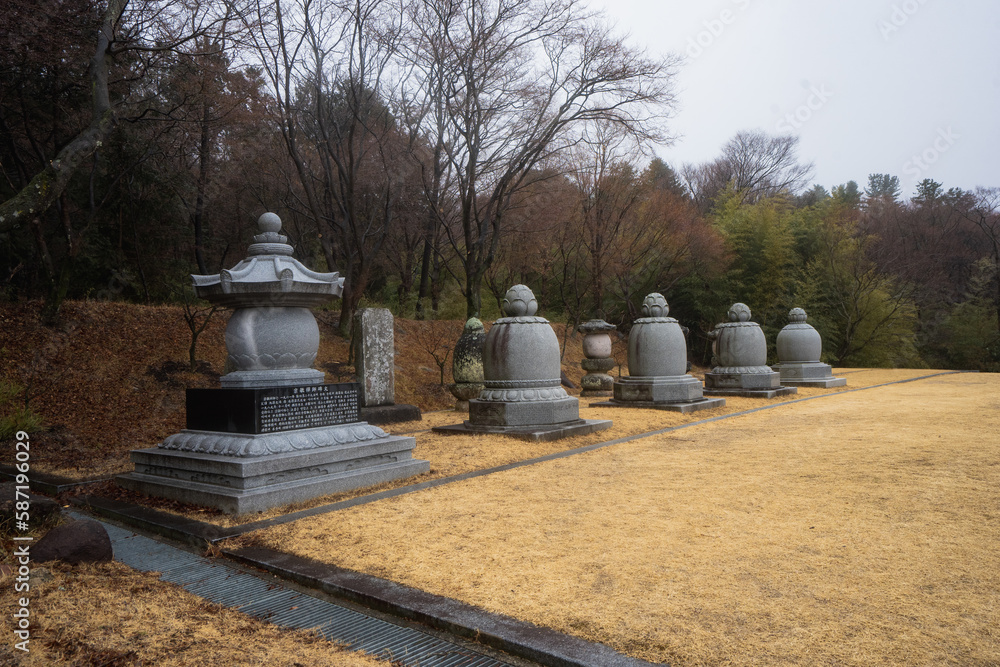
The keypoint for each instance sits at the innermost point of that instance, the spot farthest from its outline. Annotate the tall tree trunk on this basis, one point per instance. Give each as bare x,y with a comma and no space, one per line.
46,187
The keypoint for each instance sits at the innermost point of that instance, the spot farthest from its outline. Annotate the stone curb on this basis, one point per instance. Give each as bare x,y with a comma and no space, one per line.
51,484
541,645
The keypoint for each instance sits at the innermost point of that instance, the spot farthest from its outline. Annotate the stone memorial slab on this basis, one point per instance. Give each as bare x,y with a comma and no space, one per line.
375,365
272,409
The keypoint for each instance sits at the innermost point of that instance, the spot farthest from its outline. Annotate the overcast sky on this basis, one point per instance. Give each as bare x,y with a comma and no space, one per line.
906,87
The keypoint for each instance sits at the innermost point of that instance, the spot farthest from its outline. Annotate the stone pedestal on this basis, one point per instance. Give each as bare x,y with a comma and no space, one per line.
274,434
740,360
598,361
523,396
375,364
799,349
467,364
657,365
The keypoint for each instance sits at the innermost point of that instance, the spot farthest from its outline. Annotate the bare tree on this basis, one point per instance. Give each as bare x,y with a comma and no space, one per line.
516,81
134,38
753,164
327,65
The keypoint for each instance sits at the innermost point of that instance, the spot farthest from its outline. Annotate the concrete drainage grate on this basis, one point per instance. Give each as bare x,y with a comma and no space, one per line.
290,608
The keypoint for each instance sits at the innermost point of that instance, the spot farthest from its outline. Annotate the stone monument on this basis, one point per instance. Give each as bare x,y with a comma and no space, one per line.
523,394
274,433
740,362
657,366
375,362
597,361
799,349
467,364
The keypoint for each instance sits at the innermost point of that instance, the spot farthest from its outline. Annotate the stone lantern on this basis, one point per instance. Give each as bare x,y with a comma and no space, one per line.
740,363
274,433
657,365
597,361
523,394
799,349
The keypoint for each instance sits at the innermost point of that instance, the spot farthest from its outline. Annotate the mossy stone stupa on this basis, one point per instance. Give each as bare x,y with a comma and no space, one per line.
523,394
274,433
657,365
799,349
740,363
467,364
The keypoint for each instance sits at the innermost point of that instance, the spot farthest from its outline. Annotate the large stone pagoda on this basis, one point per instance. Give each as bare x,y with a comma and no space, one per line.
274,433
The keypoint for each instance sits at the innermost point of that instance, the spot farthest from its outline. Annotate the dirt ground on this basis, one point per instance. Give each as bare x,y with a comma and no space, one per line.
109,615
857,529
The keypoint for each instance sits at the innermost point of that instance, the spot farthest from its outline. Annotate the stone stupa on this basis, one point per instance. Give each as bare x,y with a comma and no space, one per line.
657,365
523,394
799,349
740,361
274,433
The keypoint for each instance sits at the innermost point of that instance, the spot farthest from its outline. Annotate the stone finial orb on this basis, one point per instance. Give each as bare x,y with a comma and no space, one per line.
519,302
655,305
269,222
740,312
796,316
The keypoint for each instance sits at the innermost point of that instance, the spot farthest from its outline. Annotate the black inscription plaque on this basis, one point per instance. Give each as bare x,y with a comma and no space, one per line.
273,409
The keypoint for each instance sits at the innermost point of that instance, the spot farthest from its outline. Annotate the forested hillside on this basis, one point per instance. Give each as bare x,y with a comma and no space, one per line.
437,152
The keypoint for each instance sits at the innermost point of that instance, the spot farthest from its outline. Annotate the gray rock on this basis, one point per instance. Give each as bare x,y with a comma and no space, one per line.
83,541
374,356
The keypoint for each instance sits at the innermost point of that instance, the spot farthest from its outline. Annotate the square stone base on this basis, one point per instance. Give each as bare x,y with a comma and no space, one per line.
752,393
822,384
665,389
683,408
537,433
810,374
509,414
238,485
720,381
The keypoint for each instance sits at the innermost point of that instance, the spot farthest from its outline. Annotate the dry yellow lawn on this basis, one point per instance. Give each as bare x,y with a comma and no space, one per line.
859,529
110,614
455,454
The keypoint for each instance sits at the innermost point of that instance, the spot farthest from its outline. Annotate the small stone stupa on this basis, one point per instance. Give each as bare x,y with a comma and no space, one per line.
274,433
657,365
740,363
467,364
799,349
523,394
